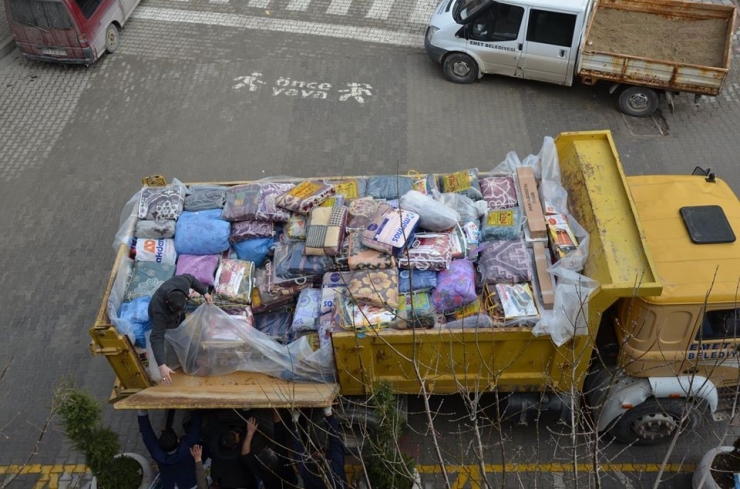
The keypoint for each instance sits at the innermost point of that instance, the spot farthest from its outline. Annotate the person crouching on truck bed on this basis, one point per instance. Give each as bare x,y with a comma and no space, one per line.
321,468
172,454
167,311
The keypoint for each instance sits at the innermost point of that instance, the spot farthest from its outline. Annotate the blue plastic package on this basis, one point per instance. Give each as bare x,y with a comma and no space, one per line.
134,320
389,186
416,280
202,233
254,250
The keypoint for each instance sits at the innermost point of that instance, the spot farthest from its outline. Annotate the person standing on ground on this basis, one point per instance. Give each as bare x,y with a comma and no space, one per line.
271,464
167,311
171,453
200,473
319,468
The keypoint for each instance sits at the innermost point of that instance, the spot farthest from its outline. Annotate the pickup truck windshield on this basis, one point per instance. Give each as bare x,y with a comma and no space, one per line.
468,10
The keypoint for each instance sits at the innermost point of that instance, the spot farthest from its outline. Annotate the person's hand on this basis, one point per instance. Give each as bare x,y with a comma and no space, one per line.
251,425
166,371
208,298
197,452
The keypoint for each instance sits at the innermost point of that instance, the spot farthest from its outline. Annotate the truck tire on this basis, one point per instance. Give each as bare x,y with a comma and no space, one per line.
112,38
656,421
638,101
460,68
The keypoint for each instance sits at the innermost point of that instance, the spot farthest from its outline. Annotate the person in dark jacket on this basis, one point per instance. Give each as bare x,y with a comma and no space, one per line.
321,469
271,465
167,311
172,454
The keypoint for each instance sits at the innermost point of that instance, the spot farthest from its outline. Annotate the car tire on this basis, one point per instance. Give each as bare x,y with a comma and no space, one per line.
460,68
656,421
112,38
638,101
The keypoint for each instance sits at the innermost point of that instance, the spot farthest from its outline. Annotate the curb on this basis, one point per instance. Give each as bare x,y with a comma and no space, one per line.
7,45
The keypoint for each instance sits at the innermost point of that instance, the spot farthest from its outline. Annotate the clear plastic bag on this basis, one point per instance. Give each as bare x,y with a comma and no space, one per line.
465,206
210,342
433,215
204,197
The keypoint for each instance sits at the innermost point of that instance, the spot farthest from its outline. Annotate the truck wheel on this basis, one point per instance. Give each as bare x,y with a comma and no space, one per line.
460,68
638,101
656,421
112,38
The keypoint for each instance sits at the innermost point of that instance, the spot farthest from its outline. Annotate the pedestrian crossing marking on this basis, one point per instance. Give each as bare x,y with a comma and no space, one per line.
339,7
422,11
259,3
300,5
380,9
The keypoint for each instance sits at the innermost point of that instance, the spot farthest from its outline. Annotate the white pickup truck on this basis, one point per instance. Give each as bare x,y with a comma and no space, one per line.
648,48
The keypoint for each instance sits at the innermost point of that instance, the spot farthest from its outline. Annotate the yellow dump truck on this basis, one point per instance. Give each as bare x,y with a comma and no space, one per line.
662,331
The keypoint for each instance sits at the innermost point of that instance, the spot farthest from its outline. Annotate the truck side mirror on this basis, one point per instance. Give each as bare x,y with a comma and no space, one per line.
705,173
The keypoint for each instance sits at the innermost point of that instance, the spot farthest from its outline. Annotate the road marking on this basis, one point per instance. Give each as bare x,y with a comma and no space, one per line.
626,483
223,2
555,467
339,7
259,3
422,10
300,5
380,9
365,34
557,480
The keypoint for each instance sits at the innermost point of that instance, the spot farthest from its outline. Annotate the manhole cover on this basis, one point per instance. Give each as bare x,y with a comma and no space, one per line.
653,126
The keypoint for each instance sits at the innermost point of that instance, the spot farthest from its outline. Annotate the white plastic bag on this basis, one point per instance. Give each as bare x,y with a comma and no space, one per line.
569,316
465,206
157,250
433,215
200,352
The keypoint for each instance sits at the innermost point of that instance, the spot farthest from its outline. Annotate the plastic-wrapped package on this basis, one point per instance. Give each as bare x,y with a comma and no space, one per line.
210,342
358,316
306,315
389,186
350,188
134,320
202,233
326,230
242,202
331,283
361,212
463,182
202,267
502,224
469,309
409,280
157,203
455,286
505,262
499,192
377,287
465,206
390,229
267,207
305,196
360,257
158,250
242,230
517,302
427,251
415,310
146,277
263,297
426,185
203,198
254,250
161,229
296,227
234,279
480,320
433,215
275,324
291,262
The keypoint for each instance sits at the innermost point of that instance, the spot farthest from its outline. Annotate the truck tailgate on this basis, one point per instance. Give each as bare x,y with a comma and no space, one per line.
642,59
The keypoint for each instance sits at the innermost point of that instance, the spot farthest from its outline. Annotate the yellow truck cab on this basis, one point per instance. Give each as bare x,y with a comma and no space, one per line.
651,360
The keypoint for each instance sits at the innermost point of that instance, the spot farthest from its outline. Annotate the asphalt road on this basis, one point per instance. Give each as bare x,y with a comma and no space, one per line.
340,88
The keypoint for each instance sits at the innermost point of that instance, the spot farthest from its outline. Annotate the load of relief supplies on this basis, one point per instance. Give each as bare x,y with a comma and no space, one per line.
290,262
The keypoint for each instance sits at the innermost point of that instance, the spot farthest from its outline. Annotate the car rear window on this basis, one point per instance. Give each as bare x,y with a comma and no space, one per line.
40,13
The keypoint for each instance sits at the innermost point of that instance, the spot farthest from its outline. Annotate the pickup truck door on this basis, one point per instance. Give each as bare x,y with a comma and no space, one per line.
496,37
549,46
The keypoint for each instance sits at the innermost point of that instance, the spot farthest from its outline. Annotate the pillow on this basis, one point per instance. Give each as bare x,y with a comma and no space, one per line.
157,203
146,277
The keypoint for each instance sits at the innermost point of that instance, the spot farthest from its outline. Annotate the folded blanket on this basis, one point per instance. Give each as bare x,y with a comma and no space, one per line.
326,230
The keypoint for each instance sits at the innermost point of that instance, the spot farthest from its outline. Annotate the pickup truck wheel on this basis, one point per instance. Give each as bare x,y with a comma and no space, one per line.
112,38
638,101
656,421
460,68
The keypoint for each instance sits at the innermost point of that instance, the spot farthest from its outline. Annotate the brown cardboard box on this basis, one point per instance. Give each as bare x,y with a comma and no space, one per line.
531,203
543,277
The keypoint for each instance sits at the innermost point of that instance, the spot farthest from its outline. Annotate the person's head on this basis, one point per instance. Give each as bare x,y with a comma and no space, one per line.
176,301
229,439
168,440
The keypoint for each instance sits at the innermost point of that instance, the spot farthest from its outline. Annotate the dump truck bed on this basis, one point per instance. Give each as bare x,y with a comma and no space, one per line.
665,44
438,360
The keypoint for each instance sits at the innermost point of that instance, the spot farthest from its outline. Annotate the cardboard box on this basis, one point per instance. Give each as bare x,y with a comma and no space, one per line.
562,239
530,202
544,280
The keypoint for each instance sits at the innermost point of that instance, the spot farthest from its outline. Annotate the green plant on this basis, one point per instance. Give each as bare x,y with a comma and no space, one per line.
82,420
385,466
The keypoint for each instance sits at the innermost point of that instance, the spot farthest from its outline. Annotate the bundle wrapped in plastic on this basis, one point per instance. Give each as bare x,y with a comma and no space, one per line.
157,203
415,310
350,188
433,215
427,251
234,280
388,186
202,267
305,196
202,233
455,286
462,182
162,229
306,315
242,230
210,342
502,224
204,197
158,250
390,229
361,212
